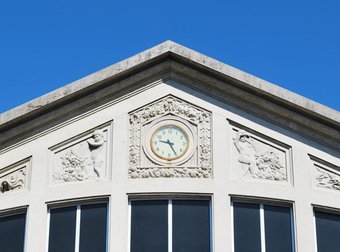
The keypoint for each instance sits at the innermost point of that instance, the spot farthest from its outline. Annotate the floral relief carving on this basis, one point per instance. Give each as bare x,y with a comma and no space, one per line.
258,160
327,175
170,105
84,161
74,168
14,178
327,179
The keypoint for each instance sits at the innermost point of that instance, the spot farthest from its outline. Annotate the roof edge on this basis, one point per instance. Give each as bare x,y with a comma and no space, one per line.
155,54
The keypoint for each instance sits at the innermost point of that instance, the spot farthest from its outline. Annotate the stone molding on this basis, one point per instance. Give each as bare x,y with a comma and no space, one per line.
275,104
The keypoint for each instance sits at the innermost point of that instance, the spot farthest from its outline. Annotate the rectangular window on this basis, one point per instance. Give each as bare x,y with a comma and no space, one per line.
327,231
262,228
12,232
170,226
80,228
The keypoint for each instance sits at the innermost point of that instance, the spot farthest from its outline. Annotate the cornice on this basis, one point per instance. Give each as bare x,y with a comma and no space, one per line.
316,115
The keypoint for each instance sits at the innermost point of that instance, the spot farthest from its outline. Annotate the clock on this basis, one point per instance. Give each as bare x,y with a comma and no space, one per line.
169,141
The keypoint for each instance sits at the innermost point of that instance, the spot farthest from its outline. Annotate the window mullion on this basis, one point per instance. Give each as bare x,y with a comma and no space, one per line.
48,228
129,227
233,226
315,233
77,238
170,225
292,228
263,234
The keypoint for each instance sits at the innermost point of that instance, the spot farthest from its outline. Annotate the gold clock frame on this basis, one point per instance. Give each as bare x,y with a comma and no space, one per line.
154,126
167,125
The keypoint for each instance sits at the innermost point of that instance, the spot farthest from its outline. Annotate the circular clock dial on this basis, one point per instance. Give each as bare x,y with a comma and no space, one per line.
169,142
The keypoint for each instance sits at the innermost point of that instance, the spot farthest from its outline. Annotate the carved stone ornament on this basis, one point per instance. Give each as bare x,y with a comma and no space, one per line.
14,177
200,163
85,159
326,174
258,158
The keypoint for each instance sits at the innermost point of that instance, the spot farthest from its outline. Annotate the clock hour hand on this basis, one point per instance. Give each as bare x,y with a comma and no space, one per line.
170,144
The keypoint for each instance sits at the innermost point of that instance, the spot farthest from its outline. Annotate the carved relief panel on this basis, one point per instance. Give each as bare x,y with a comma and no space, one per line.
84,158
257,157
326,175
179,123
15,177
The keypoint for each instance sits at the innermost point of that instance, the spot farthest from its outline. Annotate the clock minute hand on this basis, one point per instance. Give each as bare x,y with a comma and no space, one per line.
171,145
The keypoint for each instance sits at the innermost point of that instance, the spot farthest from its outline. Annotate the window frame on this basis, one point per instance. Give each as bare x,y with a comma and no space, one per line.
15,211
325,210
170,198
78,203
261,202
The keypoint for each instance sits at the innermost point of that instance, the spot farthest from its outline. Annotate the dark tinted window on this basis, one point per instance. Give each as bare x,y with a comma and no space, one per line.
93,228
327,232
278,229
62,229
247,231
149,226
12,233
191,226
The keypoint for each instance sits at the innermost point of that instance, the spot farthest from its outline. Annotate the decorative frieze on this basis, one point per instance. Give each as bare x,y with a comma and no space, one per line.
199,165
326,175
85,158
15,177
258,157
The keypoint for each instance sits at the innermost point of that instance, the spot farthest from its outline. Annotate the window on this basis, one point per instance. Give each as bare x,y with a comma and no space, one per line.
327,231
170,226
80,228
12,232
262,228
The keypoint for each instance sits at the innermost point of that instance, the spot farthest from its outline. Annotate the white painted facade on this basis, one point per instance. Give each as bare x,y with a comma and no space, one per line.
302,136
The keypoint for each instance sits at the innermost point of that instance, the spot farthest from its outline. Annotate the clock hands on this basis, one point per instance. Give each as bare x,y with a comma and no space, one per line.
170,144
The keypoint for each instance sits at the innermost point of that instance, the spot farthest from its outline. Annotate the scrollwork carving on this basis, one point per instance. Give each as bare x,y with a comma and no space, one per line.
14,178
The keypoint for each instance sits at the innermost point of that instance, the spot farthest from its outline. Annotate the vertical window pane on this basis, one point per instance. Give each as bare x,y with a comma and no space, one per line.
191,226
93,228
247,230
149,226
278,229
327,232
12,233
62,229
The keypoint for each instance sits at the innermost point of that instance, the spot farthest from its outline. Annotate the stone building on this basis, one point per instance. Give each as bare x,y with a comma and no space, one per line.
170,151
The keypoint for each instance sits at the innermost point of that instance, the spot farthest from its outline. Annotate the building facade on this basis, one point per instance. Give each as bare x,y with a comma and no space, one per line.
170,151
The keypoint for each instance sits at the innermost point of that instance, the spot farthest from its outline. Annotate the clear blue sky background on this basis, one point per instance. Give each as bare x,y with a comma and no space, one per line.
48,44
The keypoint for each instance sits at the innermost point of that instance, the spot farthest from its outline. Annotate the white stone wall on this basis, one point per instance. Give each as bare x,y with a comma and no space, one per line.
296,172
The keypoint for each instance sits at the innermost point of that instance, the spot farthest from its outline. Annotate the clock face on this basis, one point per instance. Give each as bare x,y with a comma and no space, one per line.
169,142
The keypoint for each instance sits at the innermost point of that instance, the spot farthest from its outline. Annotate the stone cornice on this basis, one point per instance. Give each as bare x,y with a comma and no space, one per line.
315,113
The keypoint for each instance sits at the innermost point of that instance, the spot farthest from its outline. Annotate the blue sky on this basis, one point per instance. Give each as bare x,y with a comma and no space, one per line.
47,44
